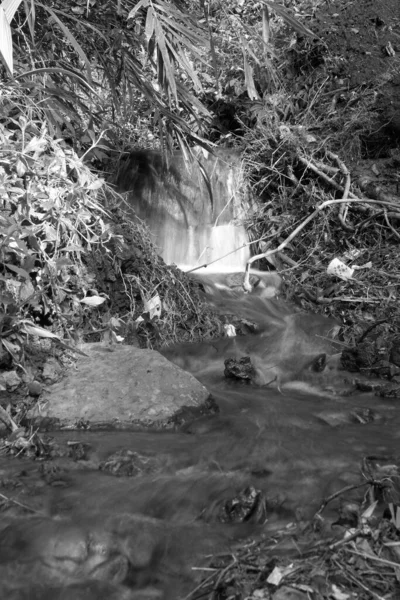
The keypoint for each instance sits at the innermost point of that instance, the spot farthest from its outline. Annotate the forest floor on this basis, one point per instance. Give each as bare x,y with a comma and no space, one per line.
327,168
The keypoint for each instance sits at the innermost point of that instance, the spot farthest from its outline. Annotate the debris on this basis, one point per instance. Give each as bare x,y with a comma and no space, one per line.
241,368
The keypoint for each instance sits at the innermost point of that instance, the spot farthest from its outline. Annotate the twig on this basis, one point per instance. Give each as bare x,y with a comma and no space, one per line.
357,582
344,207
246,281
245,245
375,558
370,328
4,416
388,223
21,505
344,490
345,540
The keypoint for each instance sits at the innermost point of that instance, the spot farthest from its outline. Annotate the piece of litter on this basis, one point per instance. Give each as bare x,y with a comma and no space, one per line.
339,269
230,330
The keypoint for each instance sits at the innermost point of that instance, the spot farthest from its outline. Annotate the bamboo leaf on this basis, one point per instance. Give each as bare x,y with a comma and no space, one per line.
39,331
10,7
139,5
249,80
149,28
31,17
6,49
290,19
56,71
72,40
166,71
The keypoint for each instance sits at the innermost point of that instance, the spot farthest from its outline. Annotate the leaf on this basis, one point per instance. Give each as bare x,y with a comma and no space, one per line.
249,80
96,184
6,48
36,144
40,332
18,270
26,291
13,349
115,323
139,5
93,300
58,71
10,8
290,19
72,40
166,75
20,167
149,28
367,514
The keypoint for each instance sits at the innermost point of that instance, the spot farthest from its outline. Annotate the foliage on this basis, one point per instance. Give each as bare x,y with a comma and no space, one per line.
63,237
141,65
88,62
51,214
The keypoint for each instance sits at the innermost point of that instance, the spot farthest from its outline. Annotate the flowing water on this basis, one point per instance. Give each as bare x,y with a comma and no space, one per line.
72,531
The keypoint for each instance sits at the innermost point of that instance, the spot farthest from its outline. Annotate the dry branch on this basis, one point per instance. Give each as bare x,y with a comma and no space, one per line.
246,281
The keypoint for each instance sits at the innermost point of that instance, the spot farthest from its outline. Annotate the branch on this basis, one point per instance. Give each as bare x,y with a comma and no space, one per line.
246,281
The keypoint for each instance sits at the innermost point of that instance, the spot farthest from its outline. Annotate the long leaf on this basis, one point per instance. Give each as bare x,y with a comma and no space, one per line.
139,5
149,28
58,72
80,22
6,48
166,72
248,76
31,17
73,41
289,19
10,7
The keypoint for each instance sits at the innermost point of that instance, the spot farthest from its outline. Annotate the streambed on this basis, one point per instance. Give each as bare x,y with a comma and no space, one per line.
123,514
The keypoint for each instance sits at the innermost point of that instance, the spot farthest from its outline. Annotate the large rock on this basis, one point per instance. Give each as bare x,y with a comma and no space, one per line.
126,386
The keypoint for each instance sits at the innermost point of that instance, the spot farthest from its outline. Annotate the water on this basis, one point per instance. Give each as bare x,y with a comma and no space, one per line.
79,532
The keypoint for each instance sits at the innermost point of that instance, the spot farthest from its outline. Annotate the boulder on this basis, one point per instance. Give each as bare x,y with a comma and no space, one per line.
121,386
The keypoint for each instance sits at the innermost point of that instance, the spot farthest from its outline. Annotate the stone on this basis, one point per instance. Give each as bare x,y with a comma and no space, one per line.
9,380
52,370
125,386
34,388
239,368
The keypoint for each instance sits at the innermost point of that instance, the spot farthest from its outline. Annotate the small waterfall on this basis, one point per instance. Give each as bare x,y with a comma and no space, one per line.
195,211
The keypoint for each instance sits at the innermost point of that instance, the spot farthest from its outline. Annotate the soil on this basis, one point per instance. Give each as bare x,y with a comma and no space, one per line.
363,39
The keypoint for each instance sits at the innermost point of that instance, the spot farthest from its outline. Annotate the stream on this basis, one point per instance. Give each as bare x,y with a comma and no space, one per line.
71,529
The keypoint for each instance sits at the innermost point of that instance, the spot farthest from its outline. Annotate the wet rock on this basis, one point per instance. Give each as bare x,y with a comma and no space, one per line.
130,464
52,370
389,391
239,369
360,416
34,388
9,380
127,386
368,386
247,506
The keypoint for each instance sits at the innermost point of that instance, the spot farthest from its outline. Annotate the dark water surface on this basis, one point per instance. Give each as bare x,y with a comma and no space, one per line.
86,533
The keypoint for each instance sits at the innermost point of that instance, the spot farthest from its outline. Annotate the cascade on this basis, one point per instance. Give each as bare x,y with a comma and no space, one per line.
194,211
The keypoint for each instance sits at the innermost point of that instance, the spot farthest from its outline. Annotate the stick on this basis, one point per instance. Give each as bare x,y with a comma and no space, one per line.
246,281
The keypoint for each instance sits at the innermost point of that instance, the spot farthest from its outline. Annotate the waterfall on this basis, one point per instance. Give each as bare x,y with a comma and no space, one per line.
195,212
